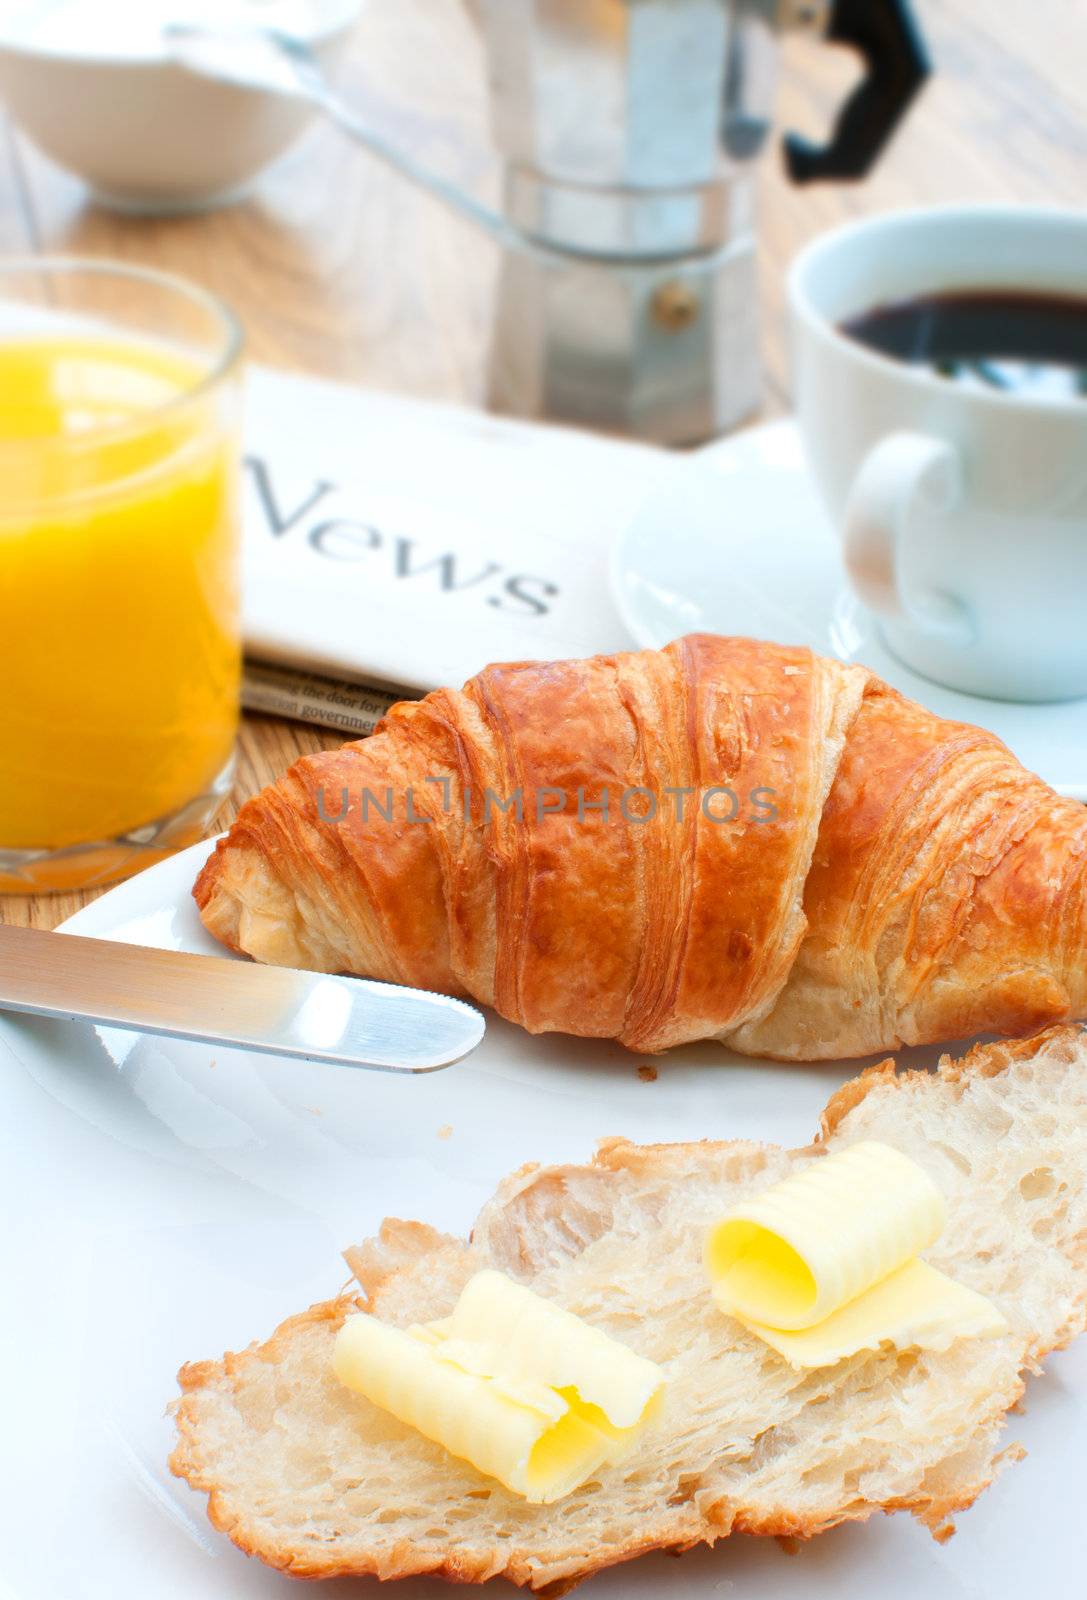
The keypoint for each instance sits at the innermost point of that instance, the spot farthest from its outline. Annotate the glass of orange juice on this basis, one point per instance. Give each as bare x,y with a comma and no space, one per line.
119,550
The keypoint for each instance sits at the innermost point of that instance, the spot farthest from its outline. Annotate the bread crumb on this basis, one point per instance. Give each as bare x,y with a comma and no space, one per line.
788,1543
315,1111
445,1131
647,1073
211,1064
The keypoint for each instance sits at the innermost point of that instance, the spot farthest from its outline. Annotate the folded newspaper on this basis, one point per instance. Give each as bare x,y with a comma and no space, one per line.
400,544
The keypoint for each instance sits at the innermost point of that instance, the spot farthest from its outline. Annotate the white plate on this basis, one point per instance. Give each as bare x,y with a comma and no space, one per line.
735,541
162,1206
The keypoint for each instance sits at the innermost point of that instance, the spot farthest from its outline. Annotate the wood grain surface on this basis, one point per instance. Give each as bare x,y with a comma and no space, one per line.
337,268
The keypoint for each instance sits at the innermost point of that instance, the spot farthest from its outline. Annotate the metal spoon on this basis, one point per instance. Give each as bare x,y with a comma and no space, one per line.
282,63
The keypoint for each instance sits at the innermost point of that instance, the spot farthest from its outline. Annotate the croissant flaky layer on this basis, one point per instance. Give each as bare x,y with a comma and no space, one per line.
723,839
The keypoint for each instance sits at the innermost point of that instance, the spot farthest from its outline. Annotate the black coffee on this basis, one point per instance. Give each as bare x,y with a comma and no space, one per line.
1025,343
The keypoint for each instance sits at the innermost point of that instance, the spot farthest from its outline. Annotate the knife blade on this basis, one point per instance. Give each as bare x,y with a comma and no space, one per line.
352,1022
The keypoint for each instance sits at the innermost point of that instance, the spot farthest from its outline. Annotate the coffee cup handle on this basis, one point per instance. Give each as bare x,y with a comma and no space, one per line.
904,474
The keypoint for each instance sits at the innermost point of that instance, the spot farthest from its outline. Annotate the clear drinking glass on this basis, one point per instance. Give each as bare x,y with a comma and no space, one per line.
119,554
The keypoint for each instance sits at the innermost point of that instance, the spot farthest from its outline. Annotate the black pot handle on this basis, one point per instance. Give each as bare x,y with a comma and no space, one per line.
896,65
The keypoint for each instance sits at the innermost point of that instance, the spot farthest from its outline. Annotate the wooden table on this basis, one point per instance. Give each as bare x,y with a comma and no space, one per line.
339,269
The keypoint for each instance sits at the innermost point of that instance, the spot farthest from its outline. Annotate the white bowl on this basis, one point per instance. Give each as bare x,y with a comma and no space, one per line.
95,88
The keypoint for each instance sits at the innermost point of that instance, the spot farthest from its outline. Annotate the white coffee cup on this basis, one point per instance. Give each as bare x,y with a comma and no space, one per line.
963,511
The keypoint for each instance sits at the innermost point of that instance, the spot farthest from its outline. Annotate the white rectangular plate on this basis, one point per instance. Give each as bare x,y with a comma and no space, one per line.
164,1205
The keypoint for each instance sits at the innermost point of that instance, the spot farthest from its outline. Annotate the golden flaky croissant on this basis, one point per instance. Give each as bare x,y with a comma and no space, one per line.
723,839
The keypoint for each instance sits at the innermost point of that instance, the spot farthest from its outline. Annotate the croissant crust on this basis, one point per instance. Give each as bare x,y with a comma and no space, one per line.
723,839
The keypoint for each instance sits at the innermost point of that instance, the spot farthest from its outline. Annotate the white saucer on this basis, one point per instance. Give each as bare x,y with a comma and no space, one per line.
735,541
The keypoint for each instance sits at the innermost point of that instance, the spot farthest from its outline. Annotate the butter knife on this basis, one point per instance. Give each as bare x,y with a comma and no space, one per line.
351,1022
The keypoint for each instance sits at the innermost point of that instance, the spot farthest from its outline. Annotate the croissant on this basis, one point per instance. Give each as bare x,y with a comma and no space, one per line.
724,839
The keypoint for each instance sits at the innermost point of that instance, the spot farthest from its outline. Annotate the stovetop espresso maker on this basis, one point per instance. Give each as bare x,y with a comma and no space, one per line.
627,132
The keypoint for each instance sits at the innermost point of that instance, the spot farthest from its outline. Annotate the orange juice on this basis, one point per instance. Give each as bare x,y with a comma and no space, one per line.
118,551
